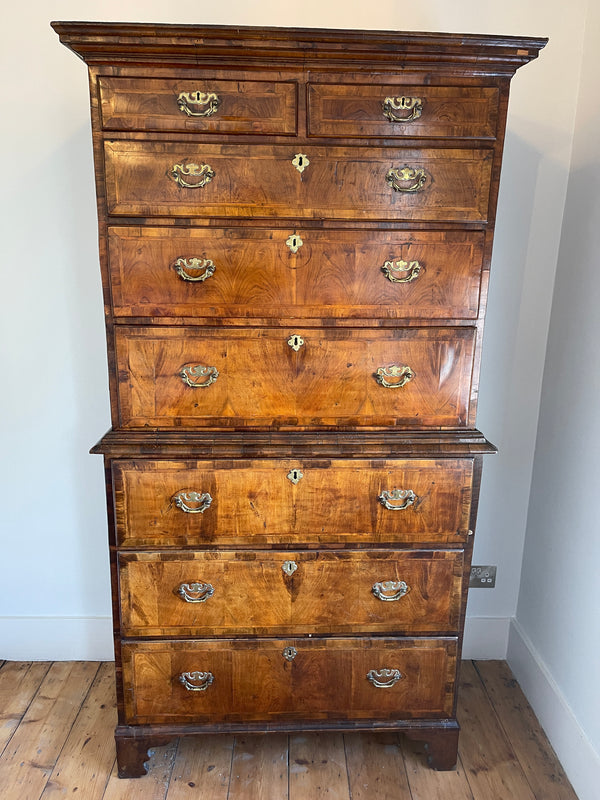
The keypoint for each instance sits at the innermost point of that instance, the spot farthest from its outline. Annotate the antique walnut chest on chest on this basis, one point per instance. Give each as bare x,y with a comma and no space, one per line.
295,238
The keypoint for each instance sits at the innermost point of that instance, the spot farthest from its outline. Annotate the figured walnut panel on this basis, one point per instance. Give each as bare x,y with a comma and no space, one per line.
447,111
254,502
261,181
254,682
330,380
328,592
335,273
150,104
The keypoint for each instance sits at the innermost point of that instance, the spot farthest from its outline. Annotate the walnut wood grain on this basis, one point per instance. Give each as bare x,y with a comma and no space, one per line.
254,502
328,593
327,679
340,110
245,106
335,273
261,181
262,381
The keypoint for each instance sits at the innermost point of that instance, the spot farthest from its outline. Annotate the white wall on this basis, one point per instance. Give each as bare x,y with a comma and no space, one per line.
555,645
54,582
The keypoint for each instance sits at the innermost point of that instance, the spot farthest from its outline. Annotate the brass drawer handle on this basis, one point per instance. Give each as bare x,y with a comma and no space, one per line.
198,376
397,499
203,173
401,271
389,591
289,567
196,681
200,501
394,377
406,179
195,592
384,678
182,265
393,105
198,104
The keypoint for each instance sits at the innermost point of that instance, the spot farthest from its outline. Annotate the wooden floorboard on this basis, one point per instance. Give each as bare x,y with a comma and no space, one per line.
56,740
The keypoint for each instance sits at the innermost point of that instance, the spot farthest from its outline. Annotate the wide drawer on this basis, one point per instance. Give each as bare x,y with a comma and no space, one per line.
294,271
184,179
264,502
272,593
194,377
397,110
197,105
253,680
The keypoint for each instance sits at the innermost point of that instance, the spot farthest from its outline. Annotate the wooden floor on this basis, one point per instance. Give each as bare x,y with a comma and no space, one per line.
57,720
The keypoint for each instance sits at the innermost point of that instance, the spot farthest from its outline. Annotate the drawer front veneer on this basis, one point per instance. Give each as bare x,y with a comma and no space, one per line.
295,272
163,179
268,593
397,110
253,680
265,502
198,377
197,105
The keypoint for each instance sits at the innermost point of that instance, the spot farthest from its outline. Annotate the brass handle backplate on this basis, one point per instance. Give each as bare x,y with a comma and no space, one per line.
402,109
389,591
204,266
196,681
198,104
397,499
192,502
195,592
384,678
200,173
394,377
198,376
406,179
401,271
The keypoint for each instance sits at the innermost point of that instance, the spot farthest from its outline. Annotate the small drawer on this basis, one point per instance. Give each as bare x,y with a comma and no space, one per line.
201,105
294,272
398,110
277,680
264,502
151,179
273,593
294,378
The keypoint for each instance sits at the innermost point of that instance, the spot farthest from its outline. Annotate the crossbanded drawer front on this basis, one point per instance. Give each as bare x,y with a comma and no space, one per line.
199,377
162,503
201,105
157,179
397,110
268,593
229,681
294,271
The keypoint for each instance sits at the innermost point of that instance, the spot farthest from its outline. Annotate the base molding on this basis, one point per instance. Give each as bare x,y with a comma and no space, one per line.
575,751
133,741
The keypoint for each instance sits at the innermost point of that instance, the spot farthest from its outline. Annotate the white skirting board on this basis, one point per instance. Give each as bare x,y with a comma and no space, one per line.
574,750
90,638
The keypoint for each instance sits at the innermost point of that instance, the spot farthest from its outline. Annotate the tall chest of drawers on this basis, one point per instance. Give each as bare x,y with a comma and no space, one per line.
295,237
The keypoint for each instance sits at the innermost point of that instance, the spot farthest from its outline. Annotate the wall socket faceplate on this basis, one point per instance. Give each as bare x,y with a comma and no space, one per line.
482,578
